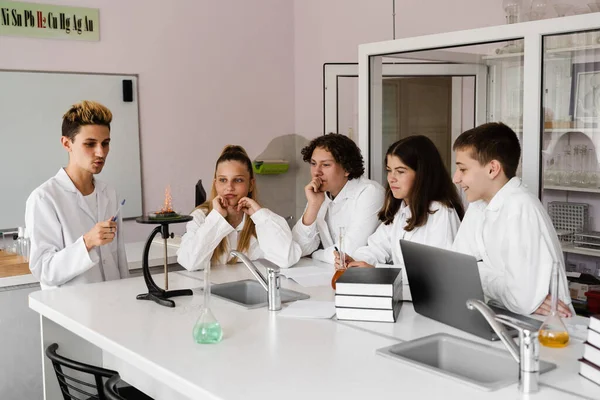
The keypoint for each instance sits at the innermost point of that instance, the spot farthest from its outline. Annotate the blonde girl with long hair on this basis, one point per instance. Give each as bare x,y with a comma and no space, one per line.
232,219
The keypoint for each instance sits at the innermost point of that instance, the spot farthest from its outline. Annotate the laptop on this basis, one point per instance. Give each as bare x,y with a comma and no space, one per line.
441,282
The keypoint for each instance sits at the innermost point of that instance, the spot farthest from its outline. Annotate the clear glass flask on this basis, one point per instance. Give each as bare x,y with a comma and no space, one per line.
342,252
207,329
553,332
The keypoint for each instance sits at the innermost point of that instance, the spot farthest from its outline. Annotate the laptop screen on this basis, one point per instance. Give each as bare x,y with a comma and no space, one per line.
441,282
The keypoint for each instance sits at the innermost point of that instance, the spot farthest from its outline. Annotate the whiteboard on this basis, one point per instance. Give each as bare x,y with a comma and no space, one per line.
31,108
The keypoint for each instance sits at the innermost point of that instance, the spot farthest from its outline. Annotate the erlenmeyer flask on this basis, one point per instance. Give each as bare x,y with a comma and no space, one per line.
553,332
207,329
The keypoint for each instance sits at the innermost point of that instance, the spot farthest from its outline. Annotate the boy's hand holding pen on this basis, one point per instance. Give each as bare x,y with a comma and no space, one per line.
114,218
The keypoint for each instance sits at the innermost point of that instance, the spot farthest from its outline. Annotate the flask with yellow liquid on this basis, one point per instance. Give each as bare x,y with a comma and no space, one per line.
553,332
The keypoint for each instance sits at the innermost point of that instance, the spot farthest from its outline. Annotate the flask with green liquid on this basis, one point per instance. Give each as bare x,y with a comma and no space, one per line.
207,329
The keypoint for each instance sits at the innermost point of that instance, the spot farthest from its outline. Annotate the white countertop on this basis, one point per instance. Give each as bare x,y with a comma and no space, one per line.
134,253
263,356
17,280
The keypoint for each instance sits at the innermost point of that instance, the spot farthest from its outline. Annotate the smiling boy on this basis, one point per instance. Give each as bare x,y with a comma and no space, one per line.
506,227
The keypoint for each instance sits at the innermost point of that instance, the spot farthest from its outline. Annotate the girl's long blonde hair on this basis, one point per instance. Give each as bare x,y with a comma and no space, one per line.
233,153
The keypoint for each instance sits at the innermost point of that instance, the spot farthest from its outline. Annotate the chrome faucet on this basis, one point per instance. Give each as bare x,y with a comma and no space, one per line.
271,284
527,354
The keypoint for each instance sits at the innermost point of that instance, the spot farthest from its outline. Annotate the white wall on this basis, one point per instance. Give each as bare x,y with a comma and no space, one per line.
331,30
211,73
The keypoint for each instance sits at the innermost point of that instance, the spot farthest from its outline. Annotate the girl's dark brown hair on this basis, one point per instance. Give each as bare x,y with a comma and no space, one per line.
432,182
233,153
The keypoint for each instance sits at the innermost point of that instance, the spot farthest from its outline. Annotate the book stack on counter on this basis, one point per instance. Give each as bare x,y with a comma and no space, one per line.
369,294
589,365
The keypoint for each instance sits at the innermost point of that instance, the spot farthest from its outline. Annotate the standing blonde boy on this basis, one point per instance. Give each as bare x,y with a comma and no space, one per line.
74,239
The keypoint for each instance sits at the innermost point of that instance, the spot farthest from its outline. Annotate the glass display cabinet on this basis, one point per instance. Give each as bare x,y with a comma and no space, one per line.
542,78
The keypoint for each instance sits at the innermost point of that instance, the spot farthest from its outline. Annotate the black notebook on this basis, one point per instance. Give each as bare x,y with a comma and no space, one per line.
593,337
595,322
591,353
377,302
370,282
366,314
589,371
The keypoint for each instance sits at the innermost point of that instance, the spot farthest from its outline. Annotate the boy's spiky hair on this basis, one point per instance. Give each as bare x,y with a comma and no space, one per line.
85,113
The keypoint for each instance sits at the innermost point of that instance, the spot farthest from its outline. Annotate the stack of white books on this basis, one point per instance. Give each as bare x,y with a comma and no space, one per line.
369,294
589,365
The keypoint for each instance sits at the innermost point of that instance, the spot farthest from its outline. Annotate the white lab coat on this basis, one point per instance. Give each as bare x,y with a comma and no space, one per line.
203,234
56,218
515,240
383,246
355,208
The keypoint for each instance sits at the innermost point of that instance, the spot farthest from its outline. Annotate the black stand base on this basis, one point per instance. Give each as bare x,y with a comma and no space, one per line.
162,298
156,294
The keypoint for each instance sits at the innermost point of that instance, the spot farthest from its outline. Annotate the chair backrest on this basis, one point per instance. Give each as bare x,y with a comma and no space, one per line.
200,193
110,388
75,388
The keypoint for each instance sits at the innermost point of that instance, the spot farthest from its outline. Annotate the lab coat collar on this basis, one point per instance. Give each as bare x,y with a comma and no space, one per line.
403,215
404,210
241,224
347,191
66,183
496,203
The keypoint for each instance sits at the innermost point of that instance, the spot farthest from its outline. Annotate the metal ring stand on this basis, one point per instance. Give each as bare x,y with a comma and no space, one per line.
155,293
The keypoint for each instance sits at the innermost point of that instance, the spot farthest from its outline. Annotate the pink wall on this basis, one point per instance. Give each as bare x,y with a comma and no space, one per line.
331,30
210,73
229,71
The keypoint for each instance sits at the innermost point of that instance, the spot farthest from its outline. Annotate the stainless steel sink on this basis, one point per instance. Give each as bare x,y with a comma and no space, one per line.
250,294
462,360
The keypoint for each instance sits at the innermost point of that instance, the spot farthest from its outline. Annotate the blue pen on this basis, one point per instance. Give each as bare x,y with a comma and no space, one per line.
113,219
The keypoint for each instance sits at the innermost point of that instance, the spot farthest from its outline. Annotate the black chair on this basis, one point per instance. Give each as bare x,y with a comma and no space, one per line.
77,389
111,391
200,193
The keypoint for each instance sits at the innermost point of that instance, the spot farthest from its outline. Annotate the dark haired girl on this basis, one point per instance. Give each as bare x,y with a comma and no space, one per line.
421,205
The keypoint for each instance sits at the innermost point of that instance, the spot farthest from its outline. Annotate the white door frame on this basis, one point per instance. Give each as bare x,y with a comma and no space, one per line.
332,73
370,73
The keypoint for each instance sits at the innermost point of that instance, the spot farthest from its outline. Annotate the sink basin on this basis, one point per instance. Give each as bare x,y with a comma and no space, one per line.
250,294
462,360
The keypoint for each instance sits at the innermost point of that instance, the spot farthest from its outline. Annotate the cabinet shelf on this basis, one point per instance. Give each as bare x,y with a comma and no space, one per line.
569,248
572,189
573,49
500,56
559,53
586,131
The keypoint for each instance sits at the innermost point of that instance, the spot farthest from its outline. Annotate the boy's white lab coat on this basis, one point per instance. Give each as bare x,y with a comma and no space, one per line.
383,246
516,241
56,218
203,234
355,208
